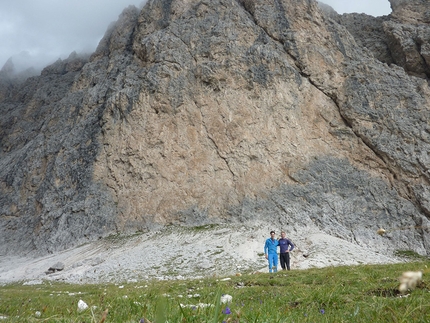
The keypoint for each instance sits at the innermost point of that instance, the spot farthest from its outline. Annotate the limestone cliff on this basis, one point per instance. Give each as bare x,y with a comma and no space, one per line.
194,112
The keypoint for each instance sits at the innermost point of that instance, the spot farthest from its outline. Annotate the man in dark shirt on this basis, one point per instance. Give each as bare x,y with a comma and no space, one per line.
286,246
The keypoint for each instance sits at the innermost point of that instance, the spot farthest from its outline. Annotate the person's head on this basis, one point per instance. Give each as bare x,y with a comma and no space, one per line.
283,234
272,234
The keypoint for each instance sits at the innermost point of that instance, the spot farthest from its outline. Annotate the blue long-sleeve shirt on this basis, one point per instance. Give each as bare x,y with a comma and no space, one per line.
270,246
285,244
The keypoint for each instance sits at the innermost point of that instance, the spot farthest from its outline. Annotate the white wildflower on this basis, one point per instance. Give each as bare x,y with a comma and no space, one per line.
226,298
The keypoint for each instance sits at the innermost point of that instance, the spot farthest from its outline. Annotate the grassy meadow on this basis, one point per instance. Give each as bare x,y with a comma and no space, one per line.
365,293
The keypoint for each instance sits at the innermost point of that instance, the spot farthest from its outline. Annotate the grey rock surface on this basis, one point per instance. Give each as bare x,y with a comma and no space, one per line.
223,250
59,266
401,38
192,113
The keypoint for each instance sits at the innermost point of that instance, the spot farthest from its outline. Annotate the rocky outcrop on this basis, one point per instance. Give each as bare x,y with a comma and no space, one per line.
369,33
408,34
10,78
411,11
401,38
196,112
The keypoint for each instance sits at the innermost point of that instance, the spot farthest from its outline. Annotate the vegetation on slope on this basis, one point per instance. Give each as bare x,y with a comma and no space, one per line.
367,293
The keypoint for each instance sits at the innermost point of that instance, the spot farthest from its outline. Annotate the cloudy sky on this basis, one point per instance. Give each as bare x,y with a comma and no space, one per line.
42,31
371,7
38,32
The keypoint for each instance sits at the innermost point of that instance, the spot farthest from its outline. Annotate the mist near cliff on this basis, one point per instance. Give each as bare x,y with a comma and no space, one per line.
36,34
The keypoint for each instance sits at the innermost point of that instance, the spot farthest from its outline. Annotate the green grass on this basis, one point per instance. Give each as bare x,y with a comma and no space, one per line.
409,254
365,293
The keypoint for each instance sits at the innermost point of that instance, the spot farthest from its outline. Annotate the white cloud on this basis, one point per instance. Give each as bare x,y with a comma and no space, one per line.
41,31
45,30
370,7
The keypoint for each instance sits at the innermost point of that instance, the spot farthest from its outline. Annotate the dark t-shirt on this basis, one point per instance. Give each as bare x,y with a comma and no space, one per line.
284,244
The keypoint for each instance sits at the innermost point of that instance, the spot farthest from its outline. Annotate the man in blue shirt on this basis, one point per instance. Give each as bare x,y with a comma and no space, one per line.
286,246
270,252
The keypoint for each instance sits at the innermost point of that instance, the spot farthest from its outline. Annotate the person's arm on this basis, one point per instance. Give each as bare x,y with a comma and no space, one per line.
292,245
266,251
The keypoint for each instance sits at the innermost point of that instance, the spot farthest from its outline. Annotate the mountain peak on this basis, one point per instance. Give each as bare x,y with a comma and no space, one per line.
192,113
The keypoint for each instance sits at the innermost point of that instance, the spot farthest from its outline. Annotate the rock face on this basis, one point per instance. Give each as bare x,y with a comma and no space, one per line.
196,112
401,38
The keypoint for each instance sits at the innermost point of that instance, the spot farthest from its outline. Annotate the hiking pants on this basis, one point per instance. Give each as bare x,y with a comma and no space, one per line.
273,262
285,260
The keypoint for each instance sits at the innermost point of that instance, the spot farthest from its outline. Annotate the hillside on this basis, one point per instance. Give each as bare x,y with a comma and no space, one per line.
200,112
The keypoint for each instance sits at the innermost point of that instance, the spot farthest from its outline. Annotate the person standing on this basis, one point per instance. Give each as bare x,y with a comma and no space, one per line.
270,252
285,246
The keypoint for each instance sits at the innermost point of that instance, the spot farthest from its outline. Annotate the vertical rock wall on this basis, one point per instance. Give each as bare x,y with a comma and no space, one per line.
194,112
